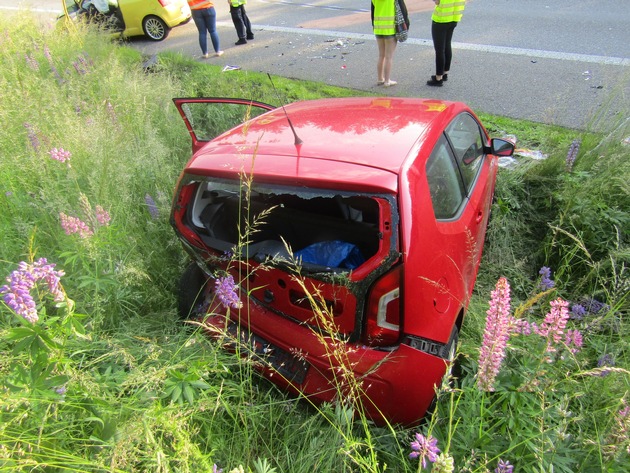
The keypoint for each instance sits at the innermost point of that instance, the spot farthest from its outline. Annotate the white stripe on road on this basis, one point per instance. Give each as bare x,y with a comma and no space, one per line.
531,53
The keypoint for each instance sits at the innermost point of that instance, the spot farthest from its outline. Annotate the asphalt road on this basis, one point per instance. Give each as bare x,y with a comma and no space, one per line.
564,62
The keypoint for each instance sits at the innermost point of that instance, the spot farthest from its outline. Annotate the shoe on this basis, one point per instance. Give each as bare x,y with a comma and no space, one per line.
205,56
434,82
250,37
240,41
218,53
445,77
380,82
389,83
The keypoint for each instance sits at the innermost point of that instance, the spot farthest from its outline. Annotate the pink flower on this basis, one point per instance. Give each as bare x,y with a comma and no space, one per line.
573,340
73,225
554,324
60,155
102,216
495,336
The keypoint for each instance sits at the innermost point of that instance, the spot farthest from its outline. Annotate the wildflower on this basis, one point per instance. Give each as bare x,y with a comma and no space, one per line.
102,216
226,291
545,281
444,464
424,448
73,225
47,53
578,312
32,136
216,469
593,306
519,326
152,206
572,153
32,62
495,336
554,324
504,467
60,155
17,294
573,340
603,361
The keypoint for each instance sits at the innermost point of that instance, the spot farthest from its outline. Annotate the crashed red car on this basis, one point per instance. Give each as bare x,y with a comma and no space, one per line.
352,229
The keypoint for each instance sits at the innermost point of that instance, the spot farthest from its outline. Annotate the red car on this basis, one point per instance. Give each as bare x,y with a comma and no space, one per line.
352,230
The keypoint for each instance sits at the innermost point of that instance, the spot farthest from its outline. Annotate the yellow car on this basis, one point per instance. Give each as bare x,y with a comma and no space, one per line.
151,18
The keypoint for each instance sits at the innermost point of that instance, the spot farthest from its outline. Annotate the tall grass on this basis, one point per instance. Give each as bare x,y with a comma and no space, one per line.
108,378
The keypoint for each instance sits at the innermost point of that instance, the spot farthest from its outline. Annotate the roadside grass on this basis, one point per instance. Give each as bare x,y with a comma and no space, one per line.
109,379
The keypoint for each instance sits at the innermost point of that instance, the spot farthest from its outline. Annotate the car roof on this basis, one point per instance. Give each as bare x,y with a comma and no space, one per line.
336,134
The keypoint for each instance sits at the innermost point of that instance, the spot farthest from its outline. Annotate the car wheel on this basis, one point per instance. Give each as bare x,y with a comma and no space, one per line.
190,296
154,28
449,353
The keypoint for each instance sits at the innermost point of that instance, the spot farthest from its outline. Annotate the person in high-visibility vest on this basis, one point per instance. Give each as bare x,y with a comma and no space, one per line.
241,21
205,18
383,23
446,15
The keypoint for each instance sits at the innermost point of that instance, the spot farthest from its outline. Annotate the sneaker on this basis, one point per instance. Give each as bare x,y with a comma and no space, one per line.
250,37
390,83
240,41
218,53
434,82
205,56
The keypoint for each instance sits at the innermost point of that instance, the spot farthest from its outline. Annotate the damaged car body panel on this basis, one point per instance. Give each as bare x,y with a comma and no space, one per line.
352,225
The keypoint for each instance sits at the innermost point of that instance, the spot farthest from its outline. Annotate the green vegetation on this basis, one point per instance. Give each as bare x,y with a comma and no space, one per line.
104,377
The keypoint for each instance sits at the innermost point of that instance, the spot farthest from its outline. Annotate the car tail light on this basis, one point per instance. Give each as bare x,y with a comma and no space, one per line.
384,309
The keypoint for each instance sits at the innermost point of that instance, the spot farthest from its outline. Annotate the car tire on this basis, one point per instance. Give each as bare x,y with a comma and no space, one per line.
154,28
190,293
453,371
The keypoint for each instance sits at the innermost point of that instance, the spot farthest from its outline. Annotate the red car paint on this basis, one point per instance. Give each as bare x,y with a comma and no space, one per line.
405,185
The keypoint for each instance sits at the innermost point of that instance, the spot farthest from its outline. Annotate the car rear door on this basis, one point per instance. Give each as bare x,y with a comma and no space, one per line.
208,117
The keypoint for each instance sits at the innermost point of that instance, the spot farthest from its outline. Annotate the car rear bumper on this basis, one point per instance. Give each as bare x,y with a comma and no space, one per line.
177,15
397,386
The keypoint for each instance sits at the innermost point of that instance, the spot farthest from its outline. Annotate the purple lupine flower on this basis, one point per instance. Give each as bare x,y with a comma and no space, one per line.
593,306
102,216
32,62
227,292
152,206
60,155
603,361
577,312
573,340
424,448
504,467
495,336
32,136
216,469
519,326
73,225
572,153
47,54
554,324
17,294
545,280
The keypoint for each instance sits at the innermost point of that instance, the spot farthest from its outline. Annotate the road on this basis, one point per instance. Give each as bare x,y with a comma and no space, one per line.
564,62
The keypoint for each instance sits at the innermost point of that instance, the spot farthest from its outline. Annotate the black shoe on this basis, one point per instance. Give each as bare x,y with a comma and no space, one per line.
250,37
241,41
445,77
434,82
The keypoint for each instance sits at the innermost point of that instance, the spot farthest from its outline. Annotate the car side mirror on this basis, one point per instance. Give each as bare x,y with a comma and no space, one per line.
500,147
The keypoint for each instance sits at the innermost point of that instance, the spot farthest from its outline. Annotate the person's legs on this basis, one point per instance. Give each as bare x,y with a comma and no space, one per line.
448,52
390,48
237,19
210,17
438,33
380,72
201,28
246,22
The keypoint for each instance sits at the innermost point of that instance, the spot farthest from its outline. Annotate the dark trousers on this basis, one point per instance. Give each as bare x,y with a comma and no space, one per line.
442,33
241,22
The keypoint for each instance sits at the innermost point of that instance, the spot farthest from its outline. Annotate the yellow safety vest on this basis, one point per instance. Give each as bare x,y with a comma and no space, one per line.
238,3
384,17
448,11
199,4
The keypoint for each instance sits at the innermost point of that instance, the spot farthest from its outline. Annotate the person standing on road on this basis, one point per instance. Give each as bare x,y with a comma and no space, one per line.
383,24
446,15
241,21
205,18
